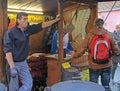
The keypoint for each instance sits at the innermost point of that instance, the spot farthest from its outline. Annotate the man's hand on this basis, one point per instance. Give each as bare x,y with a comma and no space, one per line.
72,53
13,72
57,17
49,23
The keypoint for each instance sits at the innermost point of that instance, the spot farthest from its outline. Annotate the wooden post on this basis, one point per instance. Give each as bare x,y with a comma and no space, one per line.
60,30
90,24
3,28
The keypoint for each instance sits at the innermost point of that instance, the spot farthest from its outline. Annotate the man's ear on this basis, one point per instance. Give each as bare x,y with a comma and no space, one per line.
18,21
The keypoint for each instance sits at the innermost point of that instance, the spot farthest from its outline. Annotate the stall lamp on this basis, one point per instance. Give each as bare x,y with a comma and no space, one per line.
27,11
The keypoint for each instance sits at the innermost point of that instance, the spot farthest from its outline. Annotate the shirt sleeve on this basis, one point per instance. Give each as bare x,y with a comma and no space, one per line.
65,40
114,45
116,36
8,42
69,48
35,28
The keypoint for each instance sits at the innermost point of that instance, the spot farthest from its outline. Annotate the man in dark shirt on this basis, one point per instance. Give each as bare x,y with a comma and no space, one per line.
15,45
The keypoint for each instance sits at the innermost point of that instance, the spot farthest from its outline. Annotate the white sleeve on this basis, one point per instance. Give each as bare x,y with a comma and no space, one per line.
65,40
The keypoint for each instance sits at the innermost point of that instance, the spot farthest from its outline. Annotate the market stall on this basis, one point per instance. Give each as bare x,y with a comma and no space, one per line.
81,13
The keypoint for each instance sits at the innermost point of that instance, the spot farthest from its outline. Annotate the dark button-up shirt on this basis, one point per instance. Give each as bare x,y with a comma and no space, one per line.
17,41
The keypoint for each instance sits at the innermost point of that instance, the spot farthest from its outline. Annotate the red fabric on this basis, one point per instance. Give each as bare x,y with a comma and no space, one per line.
103,52
100,48
11,25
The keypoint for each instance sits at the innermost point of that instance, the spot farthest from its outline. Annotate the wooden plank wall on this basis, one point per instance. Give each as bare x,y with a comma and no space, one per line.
3,28
35,42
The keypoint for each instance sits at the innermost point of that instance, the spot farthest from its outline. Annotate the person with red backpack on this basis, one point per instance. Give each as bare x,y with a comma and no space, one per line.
100,45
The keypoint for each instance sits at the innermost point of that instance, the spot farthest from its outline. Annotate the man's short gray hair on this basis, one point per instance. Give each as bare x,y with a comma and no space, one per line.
99,23
20,14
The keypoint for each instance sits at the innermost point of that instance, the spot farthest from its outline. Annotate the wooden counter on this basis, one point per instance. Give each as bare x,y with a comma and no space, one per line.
53,69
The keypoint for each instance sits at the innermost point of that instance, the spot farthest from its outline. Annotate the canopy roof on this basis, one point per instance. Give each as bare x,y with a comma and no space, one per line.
45,6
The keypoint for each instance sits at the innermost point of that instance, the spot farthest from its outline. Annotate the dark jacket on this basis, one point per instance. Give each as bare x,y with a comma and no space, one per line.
17,41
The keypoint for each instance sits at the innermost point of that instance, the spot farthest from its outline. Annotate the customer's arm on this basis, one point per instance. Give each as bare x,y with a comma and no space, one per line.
83,47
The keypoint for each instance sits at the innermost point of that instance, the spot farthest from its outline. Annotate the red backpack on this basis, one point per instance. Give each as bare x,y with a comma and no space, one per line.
100,49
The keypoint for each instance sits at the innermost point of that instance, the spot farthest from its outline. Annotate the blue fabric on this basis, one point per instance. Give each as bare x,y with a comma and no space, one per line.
13,84
105,76
76,85
54,48
2,87
17,42
25,77
116,36
13,72
54,43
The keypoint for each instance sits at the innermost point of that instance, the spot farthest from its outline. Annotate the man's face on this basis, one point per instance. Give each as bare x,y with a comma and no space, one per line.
23,22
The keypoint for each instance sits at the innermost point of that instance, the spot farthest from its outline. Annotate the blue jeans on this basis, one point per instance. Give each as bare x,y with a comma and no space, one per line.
114,67
105,76
25,77
2,87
